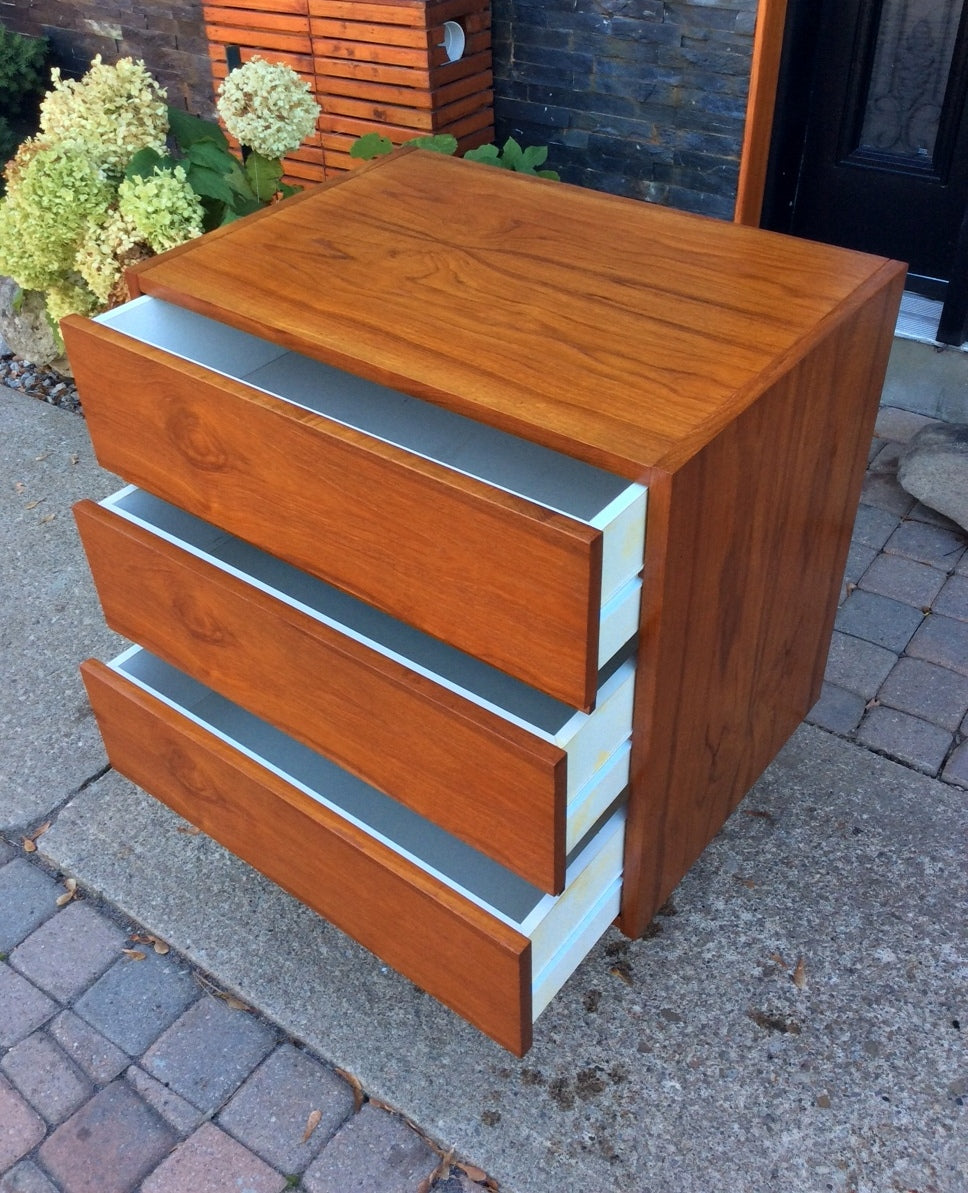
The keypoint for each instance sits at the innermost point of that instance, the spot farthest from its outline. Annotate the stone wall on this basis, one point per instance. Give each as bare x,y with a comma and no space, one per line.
644,98
167,34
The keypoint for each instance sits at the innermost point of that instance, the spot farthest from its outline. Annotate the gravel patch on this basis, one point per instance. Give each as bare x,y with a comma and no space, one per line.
39,381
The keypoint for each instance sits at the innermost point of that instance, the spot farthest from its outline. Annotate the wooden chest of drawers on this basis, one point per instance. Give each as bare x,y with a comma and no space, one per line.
482,547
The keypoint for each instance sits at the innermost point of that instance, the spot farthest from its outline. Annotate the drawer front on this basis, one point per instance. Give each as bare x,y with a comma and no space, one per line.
502,578
423,901
416,924
488,781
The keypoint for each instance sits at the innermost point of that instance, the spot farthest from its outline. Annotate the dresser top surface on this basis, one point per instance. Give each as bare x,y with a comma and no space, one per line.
607,328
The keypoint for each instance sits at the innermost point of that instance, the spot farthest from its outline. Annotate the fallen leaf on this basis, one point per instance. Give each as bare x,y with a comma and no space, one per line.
777,959
760,813
800,974
872,703
442,1171
775,1022
424,1186
315,1116
30,841
622,971
74,458
160,947
135,954
354,1083
233,1003
32,505
473,1172
190,830
42,457
19,486
747,882
48,518
69,894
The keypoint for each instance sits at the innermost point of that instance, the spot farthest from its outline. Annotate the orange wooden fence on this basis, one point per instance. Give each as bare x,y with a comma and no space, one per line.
373,65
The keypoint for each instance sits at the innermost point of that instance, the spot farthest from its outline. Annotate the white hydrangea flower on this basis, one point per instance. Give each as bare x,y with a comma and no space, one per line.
105,251
110,114
266,106
164,208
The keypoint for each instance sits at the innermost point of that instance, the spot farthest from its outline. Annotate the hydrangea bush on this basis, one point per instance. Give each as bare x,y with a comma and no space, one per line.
114,175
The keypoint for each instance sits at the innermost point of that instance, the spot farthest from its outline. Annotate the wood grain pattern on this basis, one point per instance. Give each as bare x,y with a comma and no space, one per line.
612,332
492,784
448,946
761,102
499,577
744,558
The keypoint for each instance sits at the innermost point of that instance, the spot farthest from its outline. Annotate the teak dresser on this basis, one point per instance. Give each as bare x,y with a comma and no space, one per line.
482,546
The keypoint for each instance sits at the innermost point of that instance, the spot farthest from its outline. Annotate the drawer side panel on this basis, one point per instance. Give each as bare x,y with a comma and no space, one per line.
486,781
496,576
454,950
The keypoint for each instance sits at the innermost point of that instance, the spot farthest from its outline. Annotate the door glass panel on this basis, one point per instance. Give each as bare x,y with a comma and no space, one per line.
912,56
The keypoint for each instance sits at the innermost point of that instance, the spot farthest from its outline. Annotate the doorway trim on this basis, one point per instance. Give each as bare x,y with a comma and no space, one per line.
760,110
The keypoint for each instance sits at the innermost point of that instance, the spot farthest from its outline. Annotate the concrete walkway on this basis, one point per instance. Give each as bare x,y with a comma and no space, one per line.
794,1024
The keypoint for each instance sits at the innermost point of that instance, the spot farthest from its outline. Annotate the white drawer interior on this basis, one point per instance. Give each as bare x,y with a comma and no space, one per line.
589,739
561,928
549,478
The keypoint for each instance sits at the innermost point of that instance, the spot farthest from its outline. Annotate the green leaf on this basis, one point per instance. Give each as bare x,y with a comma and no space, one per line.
187,129
488,154
264,175
511,155
551,174
371,145
533,156
207,152
210,183
438,143
288,191
18,300
145,162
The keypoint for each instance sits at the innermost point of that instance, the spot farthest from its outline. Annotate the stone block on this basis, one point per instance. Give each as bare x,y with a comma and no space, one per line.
270,1112
7,852
909,739
69,951
207,1053
26,1178
211,1161
953,599
21,1128
101,1060
28,897
46,1078
173,1108
109,1145
934,545
873,526
837,710
928,691
23,1008
135,1001
880,489
904,580
944,641
956,769
373,1150
858,665
878,619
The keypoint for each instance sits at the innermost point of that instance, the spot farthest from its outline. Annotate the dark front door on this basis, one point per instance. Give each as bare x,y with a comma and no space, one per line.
871,144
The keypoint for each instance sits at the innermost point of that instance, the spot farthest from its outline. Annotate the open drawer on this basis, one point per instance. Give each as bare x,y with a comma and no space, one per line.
508,769
477,937
499,546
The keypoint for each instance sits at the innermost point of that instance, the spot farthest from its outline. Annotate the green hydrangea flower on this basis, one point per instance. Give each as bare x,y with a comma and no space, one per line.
42,219
163,208
70,296
106,249
109,114
266,106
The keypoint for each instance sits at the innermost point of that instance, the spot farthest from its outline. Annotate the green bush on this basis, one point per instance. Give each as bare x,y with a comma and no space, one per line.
509,156
23,73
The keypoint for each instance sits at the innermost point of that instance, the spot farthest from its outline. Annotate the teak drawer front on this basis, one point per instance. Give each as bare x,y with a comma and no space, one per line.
502,578
485,780
448,942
